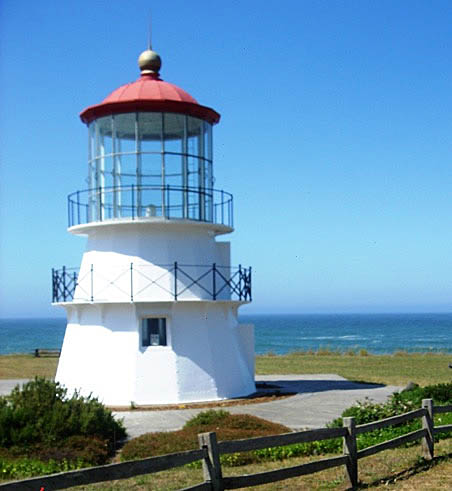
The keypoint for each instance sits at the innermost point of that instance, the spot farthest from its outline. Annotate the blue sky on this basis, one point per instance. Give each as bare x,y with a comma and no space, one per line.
335,140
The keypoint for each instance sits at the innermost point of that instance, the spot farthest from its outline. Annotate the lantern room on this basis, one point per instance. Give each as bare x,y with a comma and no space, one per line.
150,155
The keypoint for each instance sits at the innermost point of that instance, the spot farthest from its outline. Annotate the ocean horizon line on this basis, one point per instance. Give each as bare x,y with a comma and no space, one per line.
251,314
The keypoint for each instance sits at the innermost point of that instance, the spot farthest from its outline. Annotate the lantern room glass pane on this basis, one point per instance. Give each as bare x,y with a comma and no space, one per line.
105,142
125,132
150,127
174,132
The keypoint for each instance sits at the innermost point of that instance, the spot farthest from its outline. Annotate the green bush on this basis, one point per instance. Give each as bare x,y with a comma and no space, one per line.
40,421
399,403
207,418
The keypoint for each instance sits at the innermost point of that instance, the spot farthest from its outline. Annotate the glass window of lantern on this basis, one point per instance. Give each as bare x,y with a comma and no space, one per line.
173,170
174,132
105,144
91,163
125,132
153,332
150,128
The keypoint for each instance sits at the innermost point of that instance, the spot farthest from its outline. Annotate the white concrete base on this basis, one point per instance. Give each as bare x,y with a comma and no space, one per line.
208,356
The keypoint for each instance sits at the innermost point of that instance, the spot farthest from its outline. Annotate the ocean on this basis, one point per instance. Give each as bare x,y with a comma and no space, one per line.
279,334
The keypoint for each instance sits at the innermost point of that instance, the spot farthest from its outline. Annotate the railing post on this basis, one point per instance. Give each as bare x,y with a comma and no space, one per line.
241,282
131,282
54,296
249,284
427,424
74,280
211,465
163,202
101,211
64,283
133,201
175,280
214,282
92,284
349,449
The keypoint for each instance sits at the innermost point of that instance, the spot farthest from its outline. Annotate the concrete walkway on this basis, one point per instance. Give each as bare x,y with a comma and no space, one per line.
318,400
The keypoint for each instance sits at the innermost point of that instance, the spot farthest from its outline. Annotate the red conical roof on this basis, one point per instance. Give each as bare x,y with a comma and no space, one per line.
149,93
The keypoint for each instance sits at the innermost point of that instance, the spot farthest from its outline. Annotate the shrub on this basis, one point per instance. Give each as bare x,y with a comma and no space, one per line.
207,418
227,427
399,403
41,413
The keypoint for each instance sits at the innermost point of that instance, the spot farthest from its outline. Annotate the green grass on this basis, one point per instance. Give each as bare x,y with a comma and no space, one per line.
397,369
27,366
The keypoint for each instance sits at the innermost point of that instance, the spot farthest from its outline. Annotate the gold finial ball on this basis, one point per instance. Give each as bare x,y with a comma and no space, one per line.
149,62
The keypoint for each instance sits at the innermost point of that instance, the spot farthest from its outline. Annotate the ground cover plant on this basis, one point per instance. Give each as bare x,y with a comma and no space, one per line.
42,430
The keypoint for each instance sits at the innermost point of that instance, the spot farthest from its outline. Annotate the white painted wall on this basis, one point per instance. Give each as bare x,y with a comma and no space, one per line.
207,357
106,274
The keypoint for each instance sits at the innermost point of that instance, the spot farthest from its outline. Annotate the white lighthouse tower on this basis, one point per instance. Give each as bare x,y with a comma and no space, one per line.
152,311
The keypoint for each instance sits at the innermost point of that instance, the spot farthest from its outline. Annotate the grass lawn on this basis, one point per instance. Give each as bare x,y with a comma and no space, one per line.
27,366
393,469
397,369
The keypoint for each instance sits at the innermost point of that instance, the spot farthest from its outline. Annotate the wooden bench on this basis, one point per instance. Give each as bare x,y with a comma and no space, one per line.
46,352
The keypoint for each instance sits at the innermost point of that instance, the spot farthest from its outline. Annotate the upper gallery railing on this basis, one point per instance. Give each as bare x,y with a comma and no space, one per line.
143,201
142,282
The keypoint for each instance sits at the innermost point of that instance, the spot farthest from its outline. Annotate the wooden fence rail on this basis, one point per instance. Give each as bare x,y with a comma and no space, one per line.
210,450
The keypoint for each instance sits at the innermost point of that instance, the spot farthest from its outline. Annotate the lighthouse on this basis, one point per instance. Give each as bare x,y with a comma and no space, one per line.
152,311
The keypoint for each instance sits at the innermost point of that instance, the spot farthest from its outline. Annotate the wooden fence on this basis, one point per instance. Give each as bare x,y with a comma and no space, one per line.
210,450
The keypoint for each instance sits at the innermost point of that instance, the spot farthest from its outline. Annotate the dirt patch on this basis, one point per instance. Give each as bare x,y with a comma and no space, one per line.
256,398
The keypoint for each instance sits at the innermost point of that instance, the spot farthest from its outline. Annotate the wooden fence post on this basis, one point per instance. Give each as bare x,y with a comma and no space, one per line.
211,466
349,449
427,423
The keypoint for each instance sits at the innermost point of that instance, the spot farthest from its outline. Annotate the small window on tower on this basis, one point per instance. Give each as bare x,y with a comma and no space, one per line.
153,332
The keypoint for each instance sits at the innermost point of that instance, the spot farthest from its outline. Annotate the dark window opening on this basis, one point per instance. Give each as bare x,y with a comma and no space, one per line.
153,332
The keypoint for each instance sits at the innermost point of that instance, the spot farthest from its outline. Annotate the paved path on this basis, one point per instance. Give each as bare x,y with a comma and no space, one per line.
318,400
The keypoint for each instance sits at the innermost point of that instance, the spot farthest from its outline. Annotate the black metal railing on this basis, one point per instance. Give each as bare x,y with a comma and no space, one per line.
177,281
143,201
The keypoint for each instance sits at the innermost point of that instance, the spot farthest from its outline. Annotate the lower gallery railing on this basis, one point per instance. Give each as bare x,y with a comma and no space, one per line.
141,282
